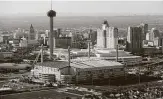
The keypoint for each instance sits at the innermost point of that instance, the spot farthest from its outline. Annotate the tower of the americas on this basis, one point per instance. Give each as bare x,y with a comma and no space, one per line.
51,14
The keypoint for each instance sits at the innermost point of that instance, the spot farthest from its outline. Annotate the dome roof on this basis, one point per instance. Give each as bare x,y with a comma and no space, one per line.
51,13
112,52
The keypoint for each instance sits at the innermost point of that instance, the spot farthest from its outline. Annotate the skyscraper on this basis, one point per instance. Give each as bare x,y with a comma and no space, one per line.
107,37
154,35
144,30
112,38
31,33
101,35
100,39
134,39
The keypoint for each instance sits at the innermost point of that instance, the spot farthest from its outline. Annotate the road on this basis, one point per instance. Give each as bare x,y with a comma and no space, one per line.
43,94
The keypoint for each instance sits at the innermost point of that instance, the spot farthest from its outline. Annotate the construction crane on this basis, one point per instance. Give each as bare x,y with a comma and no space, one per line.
40,53
36,59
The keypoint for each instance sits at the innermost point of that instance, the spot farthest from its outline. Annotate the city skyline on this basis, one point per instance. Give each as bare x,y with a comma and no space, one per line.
85,8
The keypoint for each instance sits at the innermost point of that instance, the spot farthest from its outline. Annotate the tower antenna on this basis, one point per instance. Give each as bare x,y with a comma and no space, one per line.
51,4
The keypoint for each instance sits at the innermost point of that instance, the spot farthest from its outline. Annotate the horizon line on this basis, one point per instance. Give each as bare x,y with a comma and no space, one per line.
84,14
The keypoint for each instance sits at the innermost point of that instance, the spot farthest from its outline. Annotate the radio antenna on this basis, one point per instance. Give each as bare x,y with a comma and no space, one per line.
51,4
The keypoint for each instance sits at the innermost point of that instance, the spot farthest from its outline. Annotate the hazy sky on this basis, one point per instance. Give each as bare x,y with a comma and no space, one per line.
82,7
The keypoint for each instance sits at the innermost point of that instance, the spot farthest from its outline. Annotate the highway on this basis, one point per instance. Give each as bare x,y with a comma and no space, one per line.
43,94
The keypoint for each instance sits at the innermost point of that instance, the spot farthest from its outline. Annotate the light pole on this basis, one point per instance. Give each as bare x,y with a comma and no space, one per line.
92,78
117,45
138,72
125,70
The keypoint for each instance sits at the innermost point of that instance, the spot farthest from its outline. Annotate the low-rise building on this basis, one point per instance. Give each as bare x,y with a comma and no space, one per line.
23,43
62,42
79,70
14,42
13,66
124,57
32,42
6,55
104,54
4,38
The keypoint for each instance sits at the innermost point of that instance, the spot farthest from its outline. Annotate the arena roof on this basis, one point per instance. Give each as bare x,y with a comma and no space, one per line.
82,64
95,64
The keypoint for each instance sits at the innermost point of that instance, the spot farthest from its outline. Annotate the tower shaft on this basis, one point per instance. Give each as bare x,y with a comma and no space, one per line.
51,37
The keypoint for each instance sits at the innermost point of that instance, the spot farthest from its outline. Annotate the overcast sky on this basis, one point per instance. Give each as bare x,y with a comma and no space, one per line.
82,7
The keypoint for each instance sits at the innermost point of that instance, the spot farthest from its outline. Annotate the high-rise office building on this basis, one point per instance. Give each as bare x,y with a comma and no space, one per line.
107,37
144,30
112,38
101,35
31,33
100,39
93,36
134,39
154,33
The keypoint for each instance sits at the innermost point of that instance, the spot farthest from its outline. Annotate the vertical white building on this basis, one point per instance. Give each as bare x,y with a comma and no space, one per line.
47,33
101,35
154,35
100,39
151,34
37,36
112,37
23,43
107,37
147,36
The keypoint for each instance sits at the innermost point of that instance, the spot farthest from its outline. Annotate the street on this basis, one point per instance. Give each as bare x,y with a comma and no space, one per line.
43,94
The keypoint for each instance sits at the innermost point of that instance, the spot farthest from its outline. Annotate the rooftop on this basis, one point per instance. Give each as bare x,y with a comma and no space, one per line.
110,53
13,66
33,42
82,64
95,64
55,64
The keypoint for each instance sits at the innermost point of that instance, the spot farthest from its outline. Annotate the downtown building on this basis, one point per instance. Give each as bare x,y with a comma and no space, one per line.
153,42
107,46
59,41
80,70
154,36
134,40
107,37
144,28
31,33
